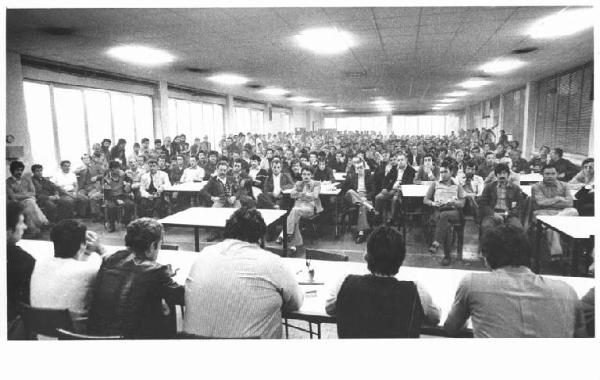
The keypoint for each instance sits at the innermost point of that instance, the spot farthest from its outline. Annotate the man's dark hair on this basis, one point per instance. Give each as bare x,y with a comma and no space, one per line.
114,165
64,162
428,155
145,139
559,152
141,233
213,153
385,251
122,141
106,140
157,141
275,161
306,169
549,165
583,163
255,157
152,161
14,165
34,167
239,161
470,164
475,148
136,145
489,152
13,210
67,236
222,162
246,224
501,168
505,245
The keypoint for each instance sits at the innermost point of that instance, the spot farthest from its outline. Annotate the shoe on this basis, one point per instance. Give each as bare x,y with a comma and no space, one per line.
446,261
434,247
360,239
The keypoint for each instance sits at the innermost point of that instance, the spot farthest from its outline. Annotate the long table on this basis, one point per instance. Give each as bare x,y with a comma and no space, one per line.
526,179
213,217
440,283
186,187
576,229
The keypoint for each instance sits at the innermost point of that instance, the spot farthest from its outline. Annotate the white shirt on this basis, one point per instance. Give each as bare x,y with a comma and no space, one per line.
64,283
67,181
160,180
361,184
192,174
277,183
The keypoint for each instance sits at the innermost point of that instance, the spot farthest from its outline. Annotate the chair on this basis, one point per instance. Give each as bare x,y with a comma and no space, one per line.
63,334
44,321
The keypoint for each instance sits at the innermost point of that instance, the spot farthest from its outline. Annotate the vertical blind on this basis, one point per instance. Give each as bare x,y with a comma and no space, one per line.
195,120
64,121
564,110
514,109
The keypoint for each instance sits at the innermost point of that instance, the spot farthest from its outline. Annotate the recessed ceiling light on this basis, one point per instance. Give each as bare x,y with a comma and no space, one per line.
447,100
330,108
273,91
141,55
317,104
231,79
299,99
563,23
457,93
474,83
325,40
380,102
339,110
502,65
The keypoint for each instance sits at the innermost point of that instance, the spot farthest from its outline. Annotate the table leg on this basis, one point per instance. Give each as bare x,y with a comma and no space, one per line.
285,235
310,333
319,330
538,241
197,239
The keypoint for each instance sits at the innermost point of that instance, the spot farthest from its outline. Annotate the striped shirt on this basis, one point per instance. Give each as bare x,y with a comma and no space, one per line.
236,289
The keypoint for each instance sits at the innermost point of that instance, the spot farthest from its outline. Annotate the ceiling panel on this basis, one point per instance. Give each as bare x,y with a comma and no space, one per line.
415,54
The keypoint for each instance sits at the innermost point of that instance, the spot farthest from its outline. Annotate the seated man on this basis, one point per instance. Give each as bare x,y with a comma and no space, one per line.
243,184
552,197
446,198
358,189
584,184
131,288
65,281
362,303
488,166
306,195
272,191
98,158
67,180
537,162
322,173
222,188
256,173
235,289
177,169
511,301
89,183
518,163
21,189
50,197
193,173
514,178
116,188
472,185
151,189
428,172
501,201
387,193
565,168
406,176
19,266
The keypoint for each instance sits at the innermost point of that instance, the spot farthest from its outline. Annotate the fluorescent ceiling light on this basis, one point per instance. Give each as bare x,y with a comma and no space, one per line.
231,79
141,55
447,100
502,65
325,40
381,102
330,108
474,83
563,23
273,91
317,104
299,99
340,110
457,93
441,105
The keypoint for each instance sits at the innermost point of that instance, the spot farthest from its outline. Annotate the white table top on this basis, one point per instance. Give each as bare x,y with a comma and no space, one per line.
532,177
213,217
440,283
187,187
339,176
578,227
414,191
527,190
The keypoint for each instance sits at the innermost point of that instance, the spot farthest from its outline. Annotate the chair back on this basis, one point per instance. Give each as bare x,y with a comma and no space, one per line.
45,321
63,334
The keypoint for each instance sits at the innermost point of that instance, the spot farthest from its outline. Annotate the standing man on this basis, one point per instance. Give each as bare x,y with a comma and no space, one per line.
151,188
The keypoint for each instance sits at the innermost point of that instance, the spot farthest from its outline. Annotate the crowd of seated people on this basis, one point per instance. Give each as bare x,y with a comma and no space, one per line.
285,170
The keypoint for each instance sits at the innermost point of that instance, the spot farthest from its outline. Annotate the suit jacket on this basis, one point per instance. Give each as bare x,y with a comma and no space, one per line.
323,175
215,187
408,177
489,198
285,182
390,178
351,183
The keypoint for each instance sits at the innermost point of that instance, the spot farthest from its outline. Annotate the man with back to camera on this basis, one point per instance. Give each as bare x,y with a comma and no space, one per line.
512,301
236,289
552,197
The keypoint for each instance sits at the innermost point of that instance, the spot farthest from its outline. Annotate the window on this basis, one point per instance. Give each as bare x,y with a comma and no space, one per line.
248,120
195,120
413,125
65,121
280,122
377,124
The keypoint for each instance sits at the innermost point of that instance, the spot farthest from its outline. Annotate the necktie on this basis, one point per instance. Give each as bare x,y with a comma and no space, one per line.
151,188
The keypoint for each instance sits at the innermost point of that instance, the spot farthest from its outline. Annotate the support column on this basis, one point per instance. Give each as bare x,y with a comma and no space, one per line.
268,119
529,119
160,108
228,116
16,115
389,124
